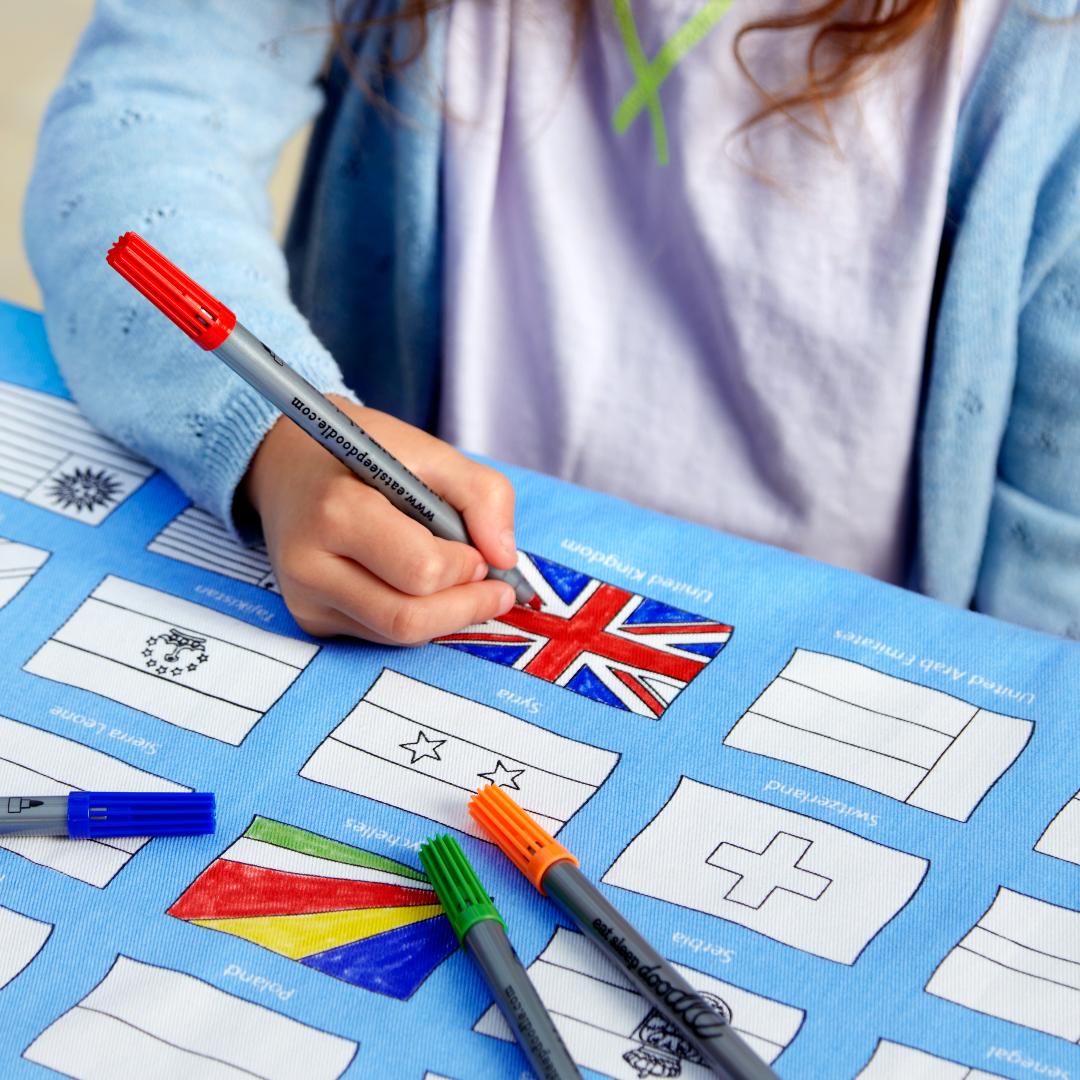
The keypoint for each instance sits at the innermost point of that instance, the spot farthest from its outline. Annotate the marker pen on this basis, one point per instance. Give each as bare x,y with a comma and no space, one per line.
84,815
554,872
210,324
482,932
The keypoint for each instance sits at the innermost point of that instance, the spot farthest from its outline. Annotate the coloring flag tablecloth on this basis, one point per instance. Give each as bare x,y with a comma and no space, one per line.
850,814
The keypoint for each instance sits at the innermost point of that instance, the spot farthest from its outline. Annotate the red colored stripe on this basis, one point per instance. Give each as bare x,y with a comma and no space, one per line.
650,701
683,628
234,890
584,632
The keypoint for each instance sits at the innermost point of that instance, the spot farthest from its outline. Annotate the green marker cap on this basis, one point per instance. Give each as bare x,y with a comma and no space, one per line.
459,890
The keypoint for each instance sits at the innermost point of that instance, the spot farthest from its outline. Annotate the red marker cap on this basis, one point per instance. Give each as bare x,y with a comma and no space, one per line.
203,318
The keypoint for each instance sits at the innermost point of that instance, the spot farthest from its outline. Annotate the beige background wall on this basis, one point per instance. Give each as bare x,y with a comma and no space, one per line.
35,46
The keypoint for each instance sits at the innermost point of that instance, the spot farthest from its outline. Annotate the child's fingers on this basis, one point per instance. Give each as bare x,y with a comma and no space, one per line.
328,622
409,620
358,523
486,500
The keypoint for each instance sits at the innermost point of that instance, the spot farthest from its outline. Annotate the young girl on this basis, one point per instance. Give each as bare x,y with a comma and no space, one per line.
803,270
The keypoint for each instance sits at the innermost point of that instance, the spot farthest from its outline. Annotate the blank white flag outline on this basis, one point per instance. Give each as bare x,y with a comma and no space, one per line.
746,733
1061,837
986,936
950,1070
13,962
15,566
123,976
909,871
601,765
197,538
163,608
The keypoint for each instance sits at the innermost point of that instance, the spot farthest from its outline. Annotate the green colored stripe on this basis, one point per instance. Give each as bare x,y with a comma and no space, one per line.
309,843
650,75
640,65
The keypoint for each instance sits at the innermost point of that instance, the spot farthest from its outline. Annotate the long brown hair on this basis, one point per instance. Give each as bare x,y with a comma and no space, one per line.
851,37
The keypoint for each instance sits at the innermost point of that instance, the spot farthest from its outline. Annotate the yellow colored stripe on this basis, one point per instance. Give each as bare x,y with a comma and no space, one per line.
296,936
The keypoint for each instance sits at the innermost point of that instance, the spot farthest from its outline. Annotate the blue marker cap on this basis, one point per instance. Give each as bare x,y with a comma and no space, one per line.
140,813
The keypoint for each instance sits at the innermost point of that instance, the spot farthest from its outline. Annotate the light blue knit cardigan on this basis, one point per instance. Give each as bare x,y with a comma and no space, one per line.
170,120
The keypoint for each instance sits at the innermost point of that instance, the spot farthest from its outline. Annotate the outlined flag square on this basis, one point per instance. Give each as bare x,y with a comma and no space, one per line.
143,1020
800,881
181,662
423,749
914,743
1020,962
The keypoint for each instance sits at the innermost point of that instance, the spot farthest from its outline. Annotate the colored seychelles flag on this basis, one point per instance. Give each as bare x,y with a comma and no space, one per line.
361,917
600,641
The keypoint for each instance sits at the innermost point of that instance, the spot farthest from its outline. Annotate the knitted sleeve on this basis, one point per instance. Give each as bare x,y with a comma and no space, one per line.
999,498
169,122
1030,571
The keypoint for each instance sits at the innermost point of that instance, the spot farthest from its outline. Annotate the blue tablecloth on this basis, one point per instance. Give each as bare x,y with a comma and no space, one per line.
848,811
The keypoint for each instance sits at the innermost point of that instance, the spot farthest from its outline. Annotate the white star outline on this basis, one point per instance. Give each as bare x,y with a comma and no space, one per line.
423,747
509,776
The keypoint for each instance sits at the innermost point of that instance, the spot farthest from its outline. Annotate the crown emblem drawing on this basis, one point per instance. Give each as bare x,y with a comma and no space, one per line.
664,1048
175,653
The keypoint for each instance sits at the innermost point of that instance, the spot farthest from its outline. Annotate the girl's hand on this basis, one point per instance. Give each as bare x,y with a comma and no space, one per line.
348,562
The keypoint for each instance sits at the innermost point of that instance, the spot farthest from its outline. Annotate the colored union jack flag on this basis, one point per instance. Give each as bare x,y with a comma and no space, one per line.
600,641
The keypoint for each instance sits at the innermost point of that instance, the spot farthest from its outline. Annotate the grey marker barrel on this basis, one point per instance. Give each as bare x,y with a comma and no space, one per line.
519,1002
334,429
720,1046
41,815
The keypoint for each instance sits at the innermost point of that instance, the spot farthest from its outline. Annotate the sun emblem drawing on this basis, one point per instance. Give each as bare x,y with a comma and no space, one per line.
174,653
84,490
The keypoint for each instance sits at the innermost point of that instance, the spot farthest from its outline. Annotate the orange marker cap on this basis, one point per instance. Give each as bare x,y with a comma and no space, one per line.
532,850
